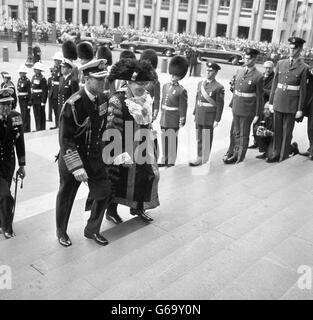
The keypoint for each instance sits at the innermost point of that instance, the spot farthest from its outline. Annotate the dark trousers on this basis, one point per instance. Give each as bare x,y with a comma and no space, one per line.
283,127
192,68
169,145
25,112
205,136
6,205
40,116
65,199
53,105
310,129
242,126
19,45
231,147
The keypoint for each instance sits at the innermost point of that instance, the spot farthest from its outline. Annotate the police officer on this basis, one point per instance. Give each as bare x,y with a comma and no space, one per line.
68,85
208,112
7,83
53,87
288,96
11,142
247,104
24,97
82,123
174,109
39,96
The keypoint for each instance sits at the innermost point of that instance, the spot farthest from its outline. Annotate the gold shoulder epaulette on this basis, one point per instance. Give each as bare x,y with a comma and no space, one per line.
75,97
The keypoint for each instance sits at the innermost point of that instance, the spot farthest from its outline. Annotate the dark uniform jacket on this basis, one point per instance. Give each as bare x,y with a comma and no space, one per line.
268,81
174,106
39,83
154,89
54,82
11,140
283,99
68,86
10,84
209,107
24,90
248,93
309,98
82,123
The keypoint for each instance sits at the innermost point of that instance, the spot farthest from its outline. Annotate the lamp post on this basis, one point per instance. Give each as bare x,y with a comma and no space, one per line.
30,5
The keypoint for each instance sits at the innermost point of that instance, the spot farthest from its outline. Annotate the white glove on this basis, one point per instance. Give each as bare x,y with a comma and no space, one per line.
271,107
215,125
80,175
255,120
43,104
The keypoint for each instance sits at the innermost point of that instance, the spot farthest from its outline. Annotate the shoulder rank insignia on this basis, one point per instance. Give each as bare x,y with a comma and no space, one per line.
17,121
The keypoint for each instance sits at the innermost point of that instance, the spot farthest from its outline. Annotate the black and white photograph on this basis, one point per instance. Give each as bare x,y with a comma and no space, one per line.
156,151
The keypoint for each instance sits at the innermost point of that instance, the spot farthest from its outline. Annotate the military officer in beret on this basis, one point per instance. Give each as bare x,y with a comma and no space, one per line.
39,96
24,97
174,110
208,112
68,86
53,87
288,96
11,142
247,104
82,123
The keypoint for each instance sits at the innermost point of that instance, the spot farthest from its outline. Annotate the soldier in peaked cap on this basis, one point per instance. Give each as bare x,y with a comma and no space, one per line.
82,123
208,112
11,142
174,110
247,105
287,98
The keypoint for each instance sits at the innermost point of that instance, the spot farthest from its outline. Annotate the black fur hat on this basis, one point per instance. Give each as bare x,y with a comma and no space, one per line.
133,70
85,51
105,53
69,50
150,55
178,66
127,54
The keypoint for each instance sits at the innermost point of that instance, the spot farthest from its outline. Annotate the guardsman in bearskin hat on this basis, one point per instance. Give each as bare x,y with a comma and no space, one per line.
82,123
247,105
68,85
69,50
174,109
208,112
105,53
11,142
53,87
85,53
39,96
7,83
24,97
288,97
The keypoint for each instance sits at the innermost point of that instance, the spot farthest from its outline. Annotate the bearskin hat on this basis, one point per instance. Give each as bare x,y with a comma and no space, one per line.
69,50
127,54
105,53
178,66
133,70
85,51
150,55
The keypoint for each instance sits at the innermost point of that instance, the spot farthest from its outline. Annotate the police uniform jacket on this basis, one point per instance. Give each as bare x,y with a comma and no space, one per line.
11,140
68,86
24,90
248,93
39,89
209,107
54,82
174,105
289,88
82,123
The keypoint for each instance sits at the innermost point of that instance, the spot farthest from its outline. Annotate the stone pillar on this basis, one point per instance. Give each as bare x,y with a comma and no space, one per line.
45,10
279,22
75,12
124,13
192,14
236,19
40,10
139,14
254,16
58,16
97,13
108,14
91,15
155,21
208,27
258,29
174,16
231,13
21,9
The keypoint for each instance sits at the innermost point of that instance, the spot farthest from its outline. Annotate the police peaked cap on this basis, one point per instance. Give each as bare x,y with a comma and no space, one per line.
298,42
132,70
6,94
213,66
150,55
85,51
251,52
178,66
69,50
105,53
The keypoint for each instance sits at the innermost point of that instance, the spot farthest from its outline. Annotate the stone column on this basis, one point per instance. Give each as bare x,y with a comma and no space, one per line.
236,19
174,16
124,13
192,15
21,9
232,9
75,12
279,22
215,7
258,29
96,13
139,14
254,16
58,16
91,15
45,10
155,21
208,26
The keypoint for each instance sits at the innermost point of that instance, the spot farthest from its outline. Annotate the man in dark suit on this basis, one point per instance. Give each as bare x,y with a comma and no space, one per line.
288,96
208,112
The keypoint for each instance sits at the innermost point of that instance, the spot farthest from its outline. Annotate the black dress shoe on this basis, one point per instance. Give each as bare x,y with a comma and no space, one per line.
141,214
295,149
9,235
253,146
196,163
114,217
272,160
64,240
52,128
231,160
98,238
261,156
305,154
227,156
162,165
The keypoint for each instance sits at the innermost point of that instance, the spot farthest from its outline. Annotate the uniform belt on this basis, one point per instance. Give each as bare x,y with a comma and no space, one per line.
167,108
206,104
37,91
245,95
288,87
22,94
56,83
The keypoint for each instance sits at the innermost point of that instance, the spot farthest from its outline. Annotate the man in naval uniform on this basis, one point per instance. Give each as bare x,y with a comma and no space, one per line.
208,112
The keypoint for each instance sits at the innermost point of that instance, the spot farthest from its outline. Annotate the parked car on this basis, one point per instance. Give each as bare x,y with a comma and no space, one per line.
219,52
100,41
137,43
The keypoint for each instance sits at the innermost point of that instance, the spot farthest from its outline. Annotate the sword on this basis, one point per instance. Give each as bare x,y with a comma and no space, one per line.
16,179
